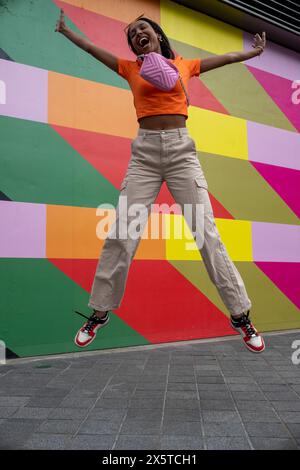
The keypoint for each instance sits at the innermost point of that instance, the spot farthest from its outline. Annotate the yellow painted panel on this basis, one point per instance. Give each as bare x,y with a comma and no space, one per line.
83,104
123,10
218,133
235,234
199,30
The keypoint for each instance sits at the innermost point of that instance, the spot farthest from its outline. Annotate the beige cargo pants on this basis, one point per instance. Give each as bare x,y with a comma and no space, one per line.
157,156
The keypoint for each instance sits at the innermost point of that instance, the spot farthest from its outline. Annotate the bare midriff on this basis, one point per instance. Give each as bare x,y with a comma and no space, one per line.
163,121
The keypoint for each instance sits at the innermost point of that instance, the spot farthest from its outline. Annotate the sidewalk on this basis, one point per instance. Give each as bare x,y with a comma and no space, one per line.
189,395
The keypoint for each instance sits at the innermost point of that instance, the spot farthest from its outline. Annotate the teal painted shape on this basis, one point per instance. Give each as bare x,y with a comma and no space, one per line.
38,165
28,36
37,312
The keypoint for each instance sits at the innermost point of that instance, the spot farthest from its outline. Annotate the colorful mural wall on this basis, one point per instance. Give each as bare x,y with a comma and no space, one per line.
66,125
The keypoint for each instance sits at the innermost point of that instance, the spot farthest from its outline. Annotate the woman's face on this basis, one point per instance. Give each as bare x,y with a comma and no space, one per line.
143,37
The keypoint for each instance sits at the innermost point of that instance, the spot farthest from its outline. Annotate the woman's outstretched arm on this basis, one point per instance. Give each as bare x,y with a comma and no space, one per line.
213,62
104,56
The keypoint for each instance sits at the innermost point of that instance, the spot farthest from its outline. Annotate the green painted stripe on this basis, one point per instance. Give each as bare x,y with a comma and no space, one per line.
38,165
243,191
36,312
238,91
28,37
271,309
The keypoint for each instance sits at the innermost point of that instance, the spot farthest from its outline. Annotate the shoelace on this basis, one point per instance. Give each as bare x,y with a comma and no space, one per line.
246,322
92,320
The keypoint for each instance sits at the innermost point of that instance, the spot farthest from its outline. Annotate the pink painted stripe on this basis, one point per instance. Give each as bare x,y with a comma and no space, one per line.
284,181
282,93
273,146
275,242
275,59
24,91
23,233
286,277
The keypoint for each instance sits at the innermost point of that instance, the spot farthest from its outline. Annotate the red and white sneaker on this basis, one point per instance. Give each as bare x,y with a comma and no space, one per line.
88,332
250,335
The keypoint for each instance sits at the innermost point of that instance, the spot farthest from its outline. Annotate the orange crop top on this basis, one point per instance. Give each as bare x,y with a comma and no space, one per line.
149,100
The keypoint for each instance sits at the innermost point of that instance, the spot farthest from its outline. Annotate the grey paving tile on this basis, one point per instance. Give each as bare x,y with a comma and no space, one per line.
48,441
228,429
290,416
214,395
44,402
262,416
97,426
52,392
8,391
187,386
91,442
60,426
6,412
181,403
68,413
212,416
210,380
77,402
213,387
173,414
15,432
190,428
108,414
181,394
249,396
217,405
32,413
274,387
134,426
249,387
286,405
273,444
294,429
208,373
281,396
137,442
253,405
115,404
239,380
181,443
181,378
267,430
14,401
227,443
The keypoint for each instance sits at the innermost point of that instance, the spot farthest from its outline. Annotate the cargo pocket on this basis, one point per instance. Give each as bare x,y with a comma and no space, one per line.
201,182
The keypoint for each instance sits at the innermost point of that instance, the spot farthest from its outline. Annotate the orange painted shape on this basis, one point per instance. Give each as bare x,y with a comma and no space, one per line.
119,9
73,232
83,104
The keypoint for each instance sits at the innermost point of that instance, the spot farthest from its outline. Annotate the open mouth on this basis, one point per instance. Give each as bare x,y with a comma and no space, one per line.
144,42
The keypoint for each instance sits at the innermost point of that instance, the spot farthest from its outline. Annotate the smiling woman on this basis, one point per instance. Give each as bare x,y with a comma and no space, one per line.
163,151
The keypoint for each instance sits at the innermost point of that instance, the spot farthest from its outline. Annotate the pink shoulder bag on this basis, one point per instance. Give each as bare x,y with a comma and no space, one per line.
160,72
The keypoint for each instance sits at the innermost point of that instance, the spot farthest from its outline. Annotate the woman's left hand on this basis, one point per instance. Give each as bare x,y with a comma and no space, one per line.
259,43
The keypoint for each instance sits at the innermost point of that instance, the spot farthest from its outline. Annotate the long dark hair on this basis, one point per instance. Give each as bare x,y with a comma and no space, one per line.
164,44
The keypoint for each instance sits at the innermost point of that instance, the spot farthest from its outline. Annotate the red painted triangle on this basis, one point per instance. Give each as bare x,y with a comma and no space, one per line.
162,305
202,97
285,276
285,181
280,90
97,28
152,305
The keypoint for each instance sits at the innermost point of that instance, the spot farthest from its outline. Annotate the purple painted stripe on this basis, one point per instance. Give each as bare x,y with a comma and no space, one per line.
273,146
275,242
275,59
23,233
23,91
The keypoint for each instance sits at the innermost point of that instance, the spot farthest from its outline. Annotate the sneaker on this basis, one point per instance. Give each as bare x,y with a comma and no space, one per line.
251,337
87,333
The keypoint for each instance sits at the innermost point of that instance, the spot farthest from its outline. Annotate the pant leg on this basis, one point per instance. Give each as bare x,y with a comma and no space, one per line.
140,186
187,184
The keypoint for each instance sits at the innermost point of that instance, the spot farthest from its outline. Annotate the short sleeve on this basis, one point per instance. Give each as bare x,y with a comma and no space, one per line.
194,67
124,66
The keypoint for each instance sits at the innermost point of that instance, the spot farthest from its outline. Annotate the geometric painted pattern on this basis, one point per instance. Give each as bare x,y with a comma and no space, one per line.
67,123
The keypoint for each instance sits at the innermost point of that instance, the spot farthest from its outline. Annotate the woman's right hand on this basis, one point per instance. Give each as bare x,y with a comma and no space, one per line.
60,24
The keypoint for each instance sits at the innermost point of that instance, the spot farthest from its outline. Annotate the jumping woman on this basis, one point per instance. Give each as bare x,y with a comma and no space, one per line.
163,151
